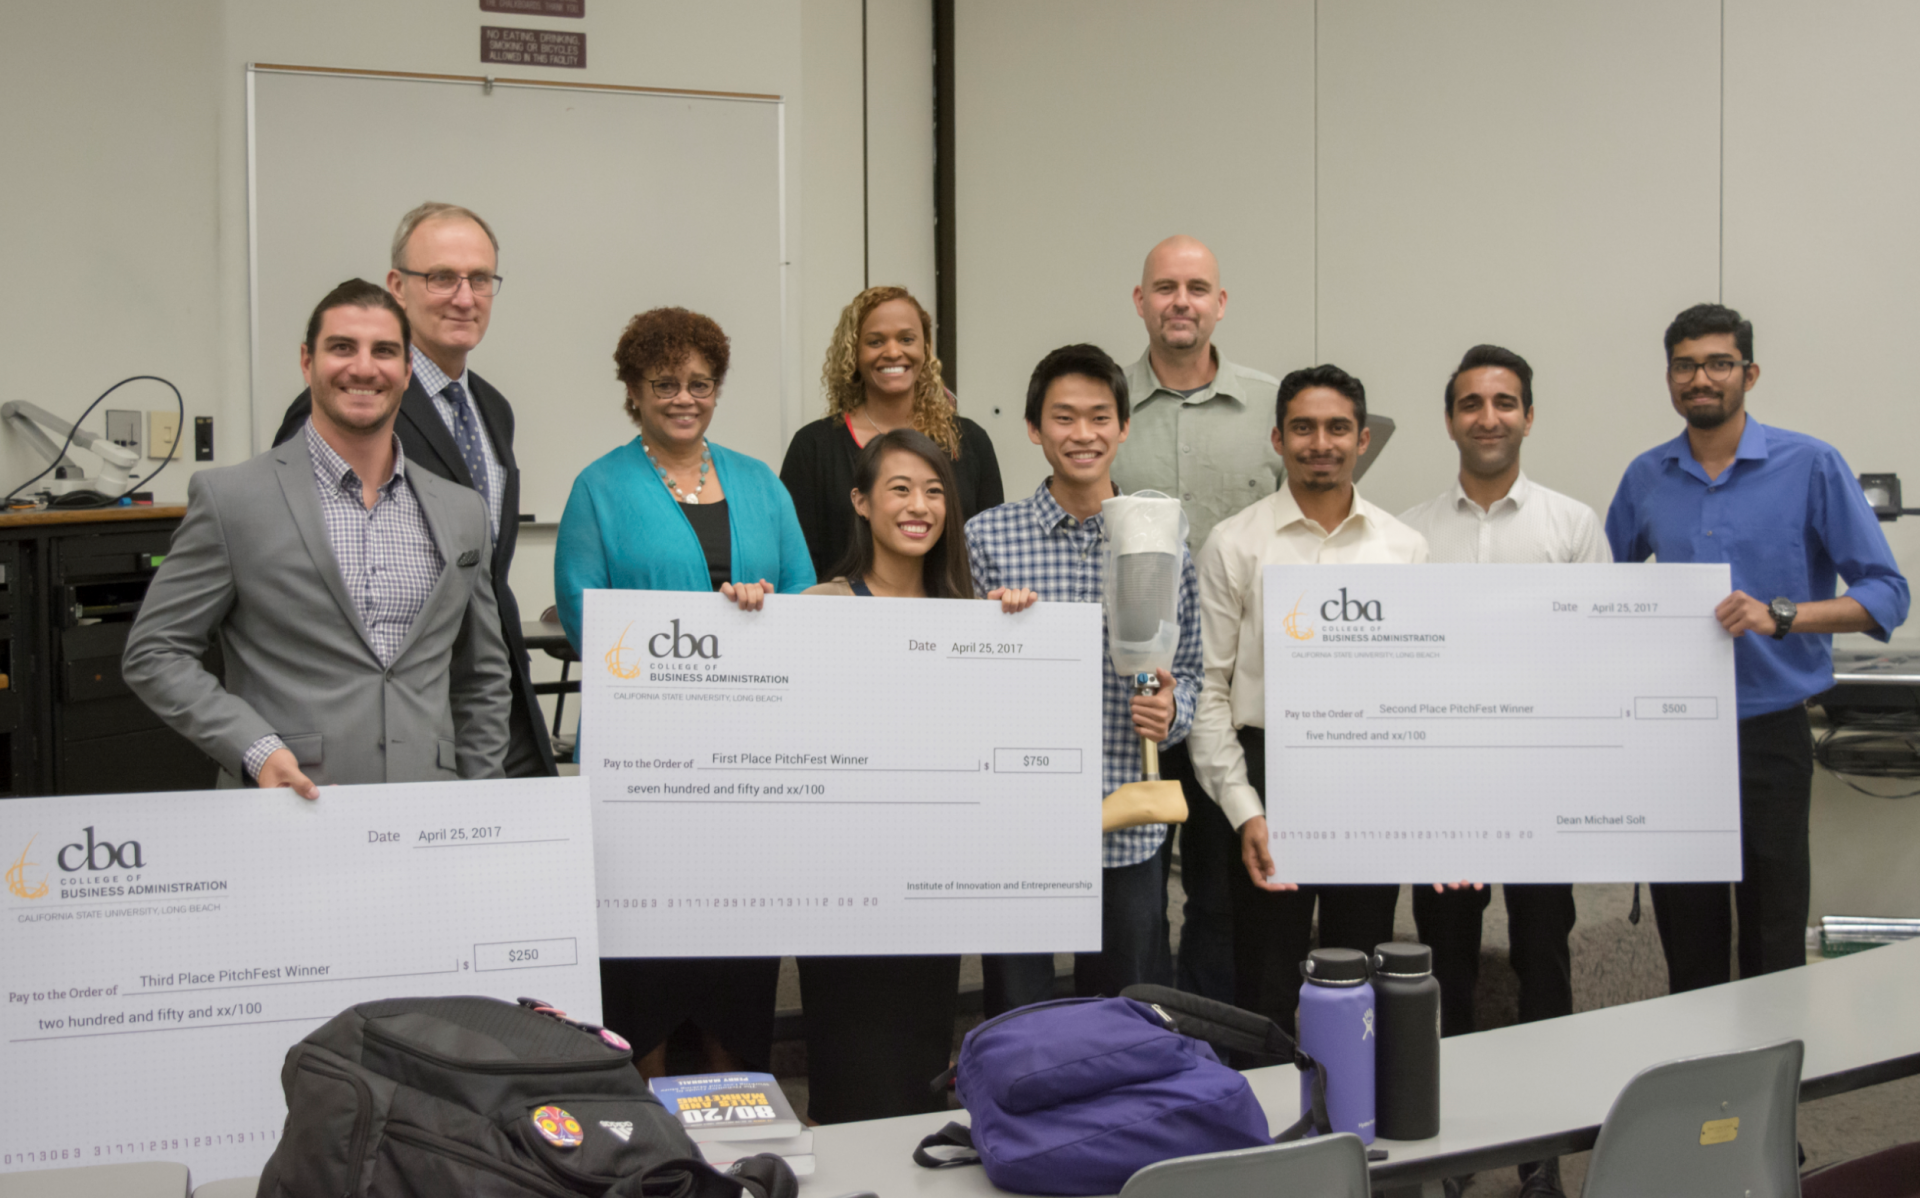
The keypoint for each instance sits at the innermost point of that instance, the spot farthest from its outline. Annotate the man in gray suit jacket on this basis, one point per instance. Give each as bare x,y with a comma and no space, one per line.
351,596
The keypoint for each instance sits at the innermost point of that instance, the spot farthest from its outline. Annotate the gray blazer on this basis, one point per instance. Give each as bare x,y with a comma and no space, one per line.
251,564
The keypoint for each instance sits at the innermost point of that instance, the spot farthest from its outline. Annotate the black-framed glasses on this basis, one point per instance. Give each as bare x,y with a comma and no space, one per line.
446,282
1718,370
667,388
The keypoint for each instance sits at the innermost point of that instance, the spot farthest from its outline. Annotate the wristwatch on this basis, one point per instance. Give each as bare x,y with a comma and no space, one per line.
1783,610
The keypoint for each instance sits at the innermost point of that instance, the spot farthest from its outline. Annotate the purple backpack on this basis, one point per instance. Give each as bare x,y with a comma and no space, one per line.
1075,1096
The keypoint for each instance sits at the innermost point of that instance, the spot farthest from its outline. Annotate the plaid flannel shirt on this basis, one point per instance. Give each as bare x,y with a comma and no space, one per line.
1034,544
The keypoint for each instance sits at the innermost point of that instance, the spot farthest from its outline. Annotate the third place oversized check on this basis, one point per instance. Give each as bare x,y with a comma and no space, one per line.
1568,723
839,775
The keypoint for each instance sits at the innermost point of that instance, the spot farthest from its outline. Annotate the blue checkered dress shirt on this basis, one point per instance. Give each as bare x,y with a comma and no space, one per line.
386,556
433,381
1034,544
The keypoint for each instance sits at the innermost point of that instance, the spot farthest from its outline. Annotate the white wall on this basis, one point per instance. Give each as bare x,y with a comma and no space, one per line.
126,207
1387,183
899,148
1086,132
1823,164
1541,177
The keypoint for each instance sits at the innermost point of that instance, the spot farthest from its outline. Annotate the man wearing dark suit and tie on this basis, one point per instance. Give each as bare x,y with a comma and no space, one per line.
454,423
350,594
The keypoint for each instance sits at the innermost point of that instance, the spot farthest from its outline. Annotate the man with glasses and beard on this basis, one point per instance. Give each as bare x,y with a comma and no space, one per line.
1783,510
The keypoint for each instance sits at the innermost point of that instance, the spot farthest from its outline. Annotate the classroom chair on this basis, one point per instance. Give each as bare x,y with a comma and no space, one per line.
1701,1126
1325,1167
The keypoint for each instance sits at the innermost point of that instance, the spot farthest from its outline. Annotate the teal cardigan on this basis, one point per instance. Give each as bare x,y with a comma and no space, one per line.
623,530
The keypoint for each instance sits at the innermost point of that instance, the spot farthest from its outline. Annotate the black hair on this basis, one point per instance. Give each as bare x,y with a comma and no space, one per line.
1704,320
1321,376
1088,360
944,570
358,293
1494,355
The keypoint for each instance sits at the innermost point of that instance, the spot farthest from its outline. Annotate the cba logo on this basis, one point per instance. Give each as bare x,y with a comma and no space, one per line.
17,883
118,856
625,662
1292,622
683,644
1351,609
94,856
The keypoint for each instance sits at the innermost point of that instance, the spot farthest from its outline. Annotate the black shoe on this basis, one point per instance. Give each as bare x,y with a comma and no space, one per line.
1543,1181
1454,1187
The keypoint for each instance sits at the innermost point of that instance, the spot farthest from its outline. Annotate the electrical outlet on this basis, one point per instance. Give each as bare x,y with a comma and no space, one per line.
163,435
123,429
203,438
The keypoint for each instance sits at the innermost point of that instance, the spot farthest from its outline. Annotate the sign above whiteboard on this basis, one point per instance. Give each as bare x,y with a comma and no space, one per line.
537,8
532,47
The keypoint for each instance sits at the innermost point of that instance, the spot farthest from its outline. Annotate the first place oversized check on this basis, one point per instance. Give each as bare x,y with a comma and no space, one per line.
842,776
1568,723
161,952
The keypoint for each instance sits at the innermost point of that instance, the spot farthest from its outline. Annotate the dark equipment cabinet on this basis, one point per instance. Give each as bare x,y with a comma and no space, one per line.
73,583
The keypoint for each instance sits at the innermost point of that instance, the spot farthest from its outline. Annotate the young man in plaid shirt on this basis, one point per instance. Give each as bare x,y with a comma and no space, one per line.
1052,543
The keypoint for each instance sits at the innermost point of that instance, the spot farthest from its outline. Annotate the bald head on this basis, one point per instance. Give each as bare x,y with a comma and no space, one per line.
1180,256
1180,298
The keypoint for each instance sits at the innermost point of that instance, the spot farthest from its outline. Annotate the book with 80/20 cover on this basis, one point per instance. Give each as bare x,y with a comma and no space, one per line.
728,1106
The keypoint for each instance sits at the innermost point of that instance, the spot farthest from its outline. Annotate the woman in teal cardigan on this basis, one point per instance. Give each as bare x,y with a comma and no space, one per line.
669,512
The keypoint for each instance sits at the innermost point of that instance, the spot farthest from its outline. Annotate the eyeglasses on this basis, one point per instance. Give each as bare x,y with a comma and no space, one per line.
446,282
667,388
1718,369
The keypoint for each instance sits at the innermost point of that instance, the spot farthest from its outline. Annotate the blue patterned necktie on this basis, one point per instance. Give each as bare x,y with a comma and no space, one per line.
468,434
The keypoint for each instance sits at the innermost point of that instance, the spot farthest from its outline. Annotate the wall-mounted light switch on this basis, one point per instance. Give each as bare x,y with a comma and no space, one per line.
163,430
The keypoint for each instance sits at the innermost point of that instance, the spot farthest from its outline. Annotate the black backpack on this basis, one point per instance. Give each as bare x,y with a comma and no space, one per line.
478,1097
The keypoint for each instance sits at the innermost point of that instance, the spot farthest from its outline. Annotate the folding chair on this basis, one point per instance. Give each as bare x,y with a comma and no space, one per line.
1323,1167
1703,1126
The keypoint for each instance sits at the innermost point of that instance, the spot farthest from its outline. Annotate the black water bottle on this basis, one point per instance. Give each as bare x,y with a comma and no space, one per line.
1407,1060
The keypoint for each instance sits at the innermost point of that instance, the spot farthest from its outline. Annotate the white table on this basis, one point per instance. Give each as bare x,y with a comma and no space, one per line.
1533,1090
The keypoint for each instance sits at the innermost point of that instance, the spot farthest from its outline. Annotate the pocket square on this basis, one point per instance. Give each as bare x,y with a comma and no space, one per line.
468,558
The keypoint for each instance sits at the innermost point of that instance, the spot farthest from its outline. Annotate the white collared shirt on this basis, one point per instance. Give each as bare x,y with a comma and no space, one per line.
1232,633
1529,524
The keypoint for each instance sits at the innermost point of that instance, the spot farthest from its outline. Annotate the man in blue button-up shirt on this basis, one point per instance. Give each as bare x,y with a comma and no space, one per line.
1784,511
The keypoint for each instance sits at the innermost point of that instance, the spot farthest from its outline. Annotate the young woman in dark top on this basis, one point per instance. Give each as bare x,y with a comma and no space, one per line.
880,1028
880,375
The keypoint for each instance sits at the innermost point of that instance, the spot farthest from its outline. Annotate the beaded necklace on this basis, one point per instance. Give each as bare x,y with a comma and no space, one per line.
706,460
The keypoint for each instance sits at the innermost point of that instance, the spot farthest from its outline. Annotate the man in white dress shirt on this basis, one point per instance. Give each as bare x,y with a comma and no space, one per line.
1494,513
1321,418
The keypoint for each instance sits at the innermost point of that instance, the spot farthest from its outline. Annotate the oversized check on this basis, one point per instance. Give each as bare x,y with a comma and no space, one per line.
840,775
1570,723
163,951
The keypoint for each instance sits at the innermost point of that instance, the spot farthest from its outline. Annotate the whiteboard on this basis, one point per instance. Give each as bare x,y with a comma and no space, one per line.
606,203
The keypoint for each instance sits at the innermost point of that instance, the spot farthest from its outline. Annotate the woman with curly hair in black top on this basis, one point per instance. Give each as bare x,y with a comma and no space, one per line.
880,374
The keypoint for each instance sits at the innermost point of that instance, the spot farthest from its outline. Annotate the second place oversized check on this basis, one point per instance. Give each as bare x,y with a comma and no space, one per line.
1501,723
834,775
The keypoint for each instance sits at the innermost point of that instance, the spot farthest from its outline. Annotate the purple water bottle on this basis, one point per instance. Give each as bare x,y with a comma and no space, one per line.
1336,1029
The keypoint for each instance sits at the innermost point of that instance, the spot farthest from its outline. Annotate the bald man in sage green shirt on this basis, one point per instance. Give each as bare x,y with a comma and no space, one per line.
1200,434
